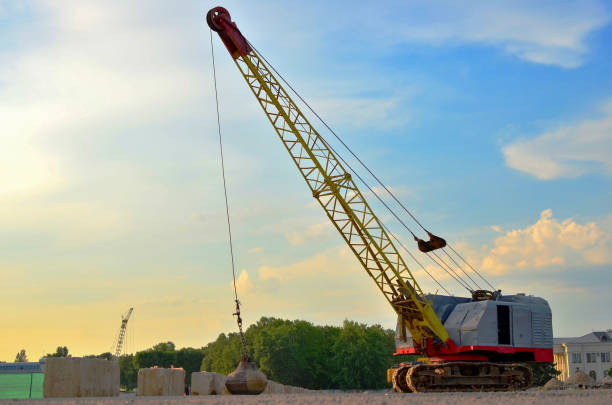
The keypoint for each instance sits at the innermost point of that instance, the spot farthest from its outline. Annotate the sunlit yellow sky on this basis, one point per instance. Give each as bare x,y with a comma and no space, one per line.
492,122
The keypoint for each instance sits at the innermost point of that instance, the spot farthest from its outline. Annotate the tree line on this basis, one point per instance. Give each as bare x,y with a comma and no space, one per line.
351,356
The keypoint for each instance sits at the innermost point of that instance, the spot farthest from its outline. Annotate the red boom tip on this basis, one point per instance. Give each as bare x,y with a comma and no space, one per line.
213,18
220,21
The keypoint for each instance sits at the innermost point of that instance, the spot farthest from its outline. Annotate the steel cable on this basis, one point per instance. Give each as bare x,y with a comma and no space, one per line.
229,226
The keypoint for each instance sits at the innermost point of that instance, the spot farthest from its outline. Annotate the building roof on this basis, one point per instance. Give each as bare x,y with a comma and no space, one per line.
593,337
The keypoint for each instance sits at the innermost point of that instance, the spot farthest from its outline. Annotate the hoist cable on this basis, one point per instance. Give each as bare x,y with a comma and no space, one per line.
461,268
443,264
415,259
359,160
227,214
475,271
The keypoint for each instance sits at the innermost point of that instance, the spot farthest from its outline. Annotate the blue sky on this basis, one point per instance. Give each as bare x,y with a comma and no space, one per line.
493,123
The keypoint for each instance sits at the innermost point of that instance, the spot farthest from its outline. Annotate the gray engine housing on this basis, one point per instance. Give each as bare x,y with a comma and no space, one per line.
511,320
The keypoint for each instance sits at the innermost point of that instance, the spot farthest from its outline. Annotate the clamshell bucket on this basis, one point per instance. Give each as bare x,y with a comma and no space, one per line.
434,242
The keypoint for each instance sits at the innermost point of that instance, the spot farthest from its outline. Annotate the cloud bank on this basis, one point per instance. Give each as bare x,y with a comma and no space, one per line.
550,33
549,243
571,151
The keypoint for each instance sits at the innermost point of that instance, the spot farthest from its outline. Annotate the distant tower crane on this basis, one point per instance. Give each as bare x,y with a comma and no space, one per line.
124,321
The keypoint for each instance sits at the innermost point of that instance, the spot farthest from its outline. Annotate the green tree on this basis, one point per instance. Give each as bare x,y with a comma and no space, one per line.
152,358
222,355
543,372
361,356
128,372
189,359
21,356
610,372
290,352
105,356
354,356
165,355
61,351
165,347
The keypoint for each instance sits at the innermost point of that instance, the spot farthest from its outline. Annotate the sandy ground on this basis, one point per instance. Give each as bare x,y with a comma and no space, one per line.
568,397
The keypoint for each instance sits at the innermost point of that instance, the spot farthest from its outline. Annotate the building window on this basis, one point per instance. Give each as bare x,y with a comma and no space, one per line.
605,357
576,357
591,358
593,375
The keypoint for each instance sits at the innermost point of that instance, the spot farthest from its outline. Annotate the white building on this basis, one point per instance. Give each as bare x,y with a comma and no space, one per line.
589,353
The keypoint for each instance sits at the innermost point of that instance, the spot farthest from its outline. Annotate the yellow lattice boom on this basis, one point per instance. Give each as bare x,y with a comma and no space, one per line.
333,187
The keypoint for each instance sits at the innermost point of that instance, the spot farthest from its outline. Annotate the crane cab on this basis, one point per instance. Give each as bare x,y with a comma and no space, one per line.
508,328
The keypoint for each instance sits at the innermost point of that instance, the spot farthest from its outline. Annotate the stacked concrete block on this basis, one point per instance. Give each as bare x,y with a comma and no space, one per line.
205,383
80,377
154,382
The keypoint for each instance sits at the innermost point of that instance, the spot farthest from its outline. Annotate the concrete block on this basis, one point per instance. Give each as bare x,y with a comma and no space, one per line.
202,383
219,384
155,381
72,377
206,383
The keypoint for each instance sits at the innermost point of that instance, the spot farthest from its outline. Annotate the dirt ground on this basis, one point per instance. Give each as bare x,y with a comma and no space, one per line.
567,397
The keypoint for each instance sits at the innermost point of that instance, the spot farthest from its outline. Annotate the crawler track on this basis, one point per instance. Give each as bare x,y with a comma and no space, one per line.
462,376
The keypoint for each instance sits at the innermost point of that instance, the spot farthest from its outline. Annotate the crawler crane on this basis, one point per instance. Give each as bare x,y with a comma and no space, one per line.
466,343
124,321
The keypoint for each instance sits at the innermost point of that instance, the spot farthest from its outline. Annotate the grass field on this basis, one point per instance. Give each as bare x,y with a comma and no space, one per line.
18,385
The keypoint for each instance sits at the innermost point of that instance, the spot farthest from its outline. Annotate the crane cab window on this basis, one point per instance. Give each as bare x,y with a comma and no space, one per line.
503,324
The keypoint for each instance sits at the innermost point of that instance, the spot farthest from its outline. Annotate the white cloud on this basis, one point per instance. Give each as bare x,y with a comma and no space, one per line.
316,231
26,168
328,287
96,62
365,112
244,284
549,243
552,33
339,261
571,151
